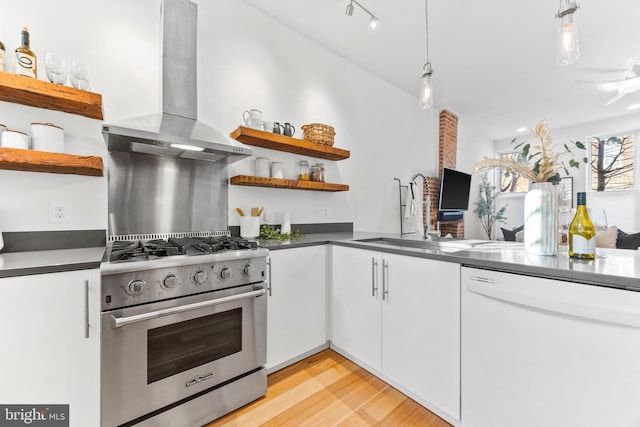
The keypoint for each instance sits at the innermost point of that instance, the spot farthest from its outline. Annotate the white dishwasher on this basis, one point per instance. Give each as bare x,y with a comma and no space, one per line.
542,352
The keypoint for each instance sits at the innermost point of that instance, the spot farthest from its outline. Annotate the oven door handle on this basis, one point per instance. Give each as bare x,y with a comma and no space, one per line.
117,321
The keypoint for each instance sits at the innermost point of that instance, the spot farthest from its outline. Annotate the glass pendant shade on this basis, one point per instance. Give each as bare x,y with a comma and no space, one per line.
568,48
426,91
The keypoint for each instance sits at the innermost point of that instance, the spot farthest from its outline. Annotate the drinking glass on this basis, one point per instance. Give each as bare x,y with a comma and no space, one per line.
80,75
599,219
56,68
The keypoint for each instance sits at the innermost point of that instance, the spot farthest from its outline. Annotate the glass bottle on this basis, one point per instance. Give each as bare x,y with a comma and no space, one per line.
319,172
582,233
26,61
303,170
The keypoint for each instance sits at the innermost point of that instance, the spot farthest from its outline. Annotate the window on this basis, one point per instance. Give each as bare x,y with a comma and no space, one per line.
511,182
612,161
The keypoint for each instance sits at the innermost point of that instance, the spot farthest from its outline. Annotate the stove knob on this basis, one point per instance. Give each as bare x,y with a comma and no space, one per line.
170,281
200,277
135,287
225,273
248,270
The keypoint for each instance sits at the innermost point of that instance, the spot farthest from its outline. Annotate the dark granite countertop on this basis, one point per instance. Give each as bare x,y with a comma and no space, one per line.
49,261
618,268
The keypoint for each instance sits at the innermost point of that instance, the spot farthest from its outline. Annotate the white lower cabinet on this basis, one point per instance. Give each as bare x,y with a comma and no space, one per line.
400,315
50,352
297,304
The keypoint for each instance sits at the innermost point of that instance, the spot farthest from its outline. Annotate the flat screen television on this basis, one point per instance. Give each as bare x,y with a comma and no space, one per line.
454,190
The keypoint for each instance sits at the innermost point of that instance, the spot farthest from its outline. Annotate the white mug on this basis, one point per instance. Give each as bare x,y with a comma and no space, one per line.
253,118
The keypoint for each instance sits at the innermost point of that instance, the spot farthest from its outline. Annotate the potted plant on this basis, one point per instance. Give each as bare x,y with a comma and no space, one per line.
486,206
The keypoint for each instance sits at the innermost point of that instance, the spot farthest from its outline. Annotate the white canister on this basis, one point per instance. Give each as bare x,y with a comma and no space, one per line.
249,226
276,170
262,167
15,139
47,137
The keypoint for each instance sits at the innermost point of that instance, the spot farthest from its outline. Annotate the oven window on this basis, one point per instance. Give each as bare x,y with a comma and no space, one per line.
182,346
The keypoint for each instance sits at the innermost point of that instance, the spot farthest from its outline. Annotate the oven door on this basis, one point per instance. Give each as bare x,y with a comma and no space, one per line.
156,354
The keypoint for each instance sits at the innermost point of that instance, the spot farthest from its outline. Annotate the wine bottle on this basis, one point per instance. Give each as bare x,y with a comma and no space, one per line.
26,61
2,53
582,233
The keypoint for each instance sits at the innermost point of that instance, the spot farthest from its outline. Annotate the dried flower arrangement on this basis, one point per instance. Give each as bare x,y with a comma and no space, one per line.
538,163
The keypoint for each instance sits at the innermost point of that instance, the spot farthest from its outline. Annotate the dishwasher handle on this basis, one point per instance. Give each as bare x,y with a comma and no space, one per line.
117,321
553,302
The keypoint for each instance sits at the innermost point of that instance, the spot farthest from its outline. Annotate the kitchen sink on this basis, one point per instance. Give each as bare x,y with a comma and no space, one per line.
440,244
449,245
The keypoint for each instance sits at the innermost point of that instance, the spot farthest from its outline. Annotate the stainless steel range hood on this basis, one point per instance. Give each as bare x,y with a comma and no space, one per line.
175,131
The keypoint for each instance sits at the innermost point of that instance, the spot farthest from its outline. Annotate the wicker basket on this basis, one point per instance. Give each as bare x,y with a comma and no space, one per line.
318,133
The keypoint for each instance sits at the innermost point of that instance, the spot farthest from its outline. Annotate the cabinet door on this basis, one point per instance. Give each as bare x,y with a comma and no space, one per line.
297,304
356,317
421,329
45,357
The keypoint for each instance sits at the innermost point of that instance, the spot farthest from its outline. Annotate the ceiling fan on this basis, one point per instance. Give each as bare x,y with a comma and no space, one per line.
629,84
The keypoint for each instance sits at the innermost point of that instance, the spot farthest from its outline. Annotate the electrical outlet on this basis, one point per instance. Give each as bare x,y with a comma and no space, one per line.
59,211
325,212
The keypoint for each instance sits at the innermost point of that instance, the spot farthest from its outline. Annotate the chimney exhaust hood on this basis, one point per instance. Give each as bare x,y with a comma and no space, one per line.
175,131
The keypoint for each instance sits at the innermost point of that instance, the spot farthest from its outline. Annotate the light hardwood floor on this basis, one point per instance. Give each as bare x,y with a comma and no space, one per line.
328,390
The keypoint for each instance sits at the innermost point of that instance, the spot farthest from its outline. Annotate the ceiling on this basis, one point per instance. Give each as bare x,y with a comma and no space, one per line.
494,60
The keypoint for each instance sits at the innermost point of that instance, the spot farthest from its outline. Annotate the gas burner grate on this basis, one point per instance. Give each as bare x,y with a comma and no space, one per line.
128,250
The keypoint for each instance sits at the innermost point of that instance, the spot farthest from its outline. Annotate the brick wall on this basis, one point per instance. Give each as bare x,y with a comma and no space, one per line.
448,146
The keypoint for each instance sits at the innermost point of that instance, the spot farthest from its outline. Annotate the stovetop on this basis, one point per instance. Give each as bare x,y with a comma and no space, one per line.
144,271
128,251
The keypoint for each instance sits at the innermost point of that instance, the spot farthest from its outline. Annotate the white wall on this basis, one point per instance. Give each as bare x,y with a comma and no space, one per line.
245,60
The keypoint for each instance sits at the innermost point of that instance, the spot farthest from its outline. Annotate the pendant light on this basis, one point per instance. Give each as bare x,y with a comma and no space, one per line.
426,90
568,49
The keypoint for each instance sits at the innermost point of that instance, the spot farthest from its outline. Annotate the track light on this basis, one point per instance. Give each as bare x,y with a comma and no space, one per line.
349,11
568,49
373,20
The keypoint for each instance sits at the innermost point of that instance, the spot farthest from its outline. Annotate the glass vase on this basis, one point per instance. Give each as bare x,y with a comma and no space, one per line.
541,219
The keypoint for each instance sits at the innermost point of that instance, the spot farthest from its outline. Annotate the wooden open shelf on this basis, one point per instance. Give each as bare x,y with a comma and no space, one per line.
258,181
38,93
273,141
41,161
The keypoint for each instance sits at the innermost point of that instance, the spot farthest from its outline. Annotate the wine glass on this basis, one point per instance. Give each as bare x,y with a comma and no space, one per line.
80,75
56,68
565,215
599,219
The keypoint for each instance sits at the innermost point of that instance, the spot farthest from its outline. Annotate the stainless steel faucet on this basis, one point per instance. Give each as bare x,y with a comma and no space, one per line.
426,204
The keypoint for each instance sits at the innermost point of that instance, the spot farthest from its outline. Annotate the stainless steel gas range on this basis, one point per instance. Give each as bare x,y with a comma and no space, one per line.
183,330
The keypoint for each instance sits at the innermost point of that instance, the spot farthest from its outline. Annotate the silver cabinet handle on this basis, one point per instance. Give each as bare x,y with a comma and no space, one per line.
269,281
86,309
374,276
117,321
385,280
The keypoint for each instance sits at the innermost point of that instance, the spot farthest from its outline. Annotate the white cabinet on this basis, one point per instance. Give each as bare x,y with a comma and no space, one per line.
46,356
542,352
297,304
355,304
400,315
